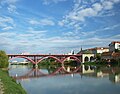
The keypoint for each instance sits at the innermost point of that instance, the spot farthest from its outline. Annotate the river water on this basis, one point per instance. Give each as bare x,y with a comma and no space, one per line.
77,80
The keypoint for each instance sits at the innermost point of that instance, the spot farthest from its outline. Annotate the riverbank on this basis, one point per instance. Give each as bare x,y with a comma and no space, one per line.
9,85
1,87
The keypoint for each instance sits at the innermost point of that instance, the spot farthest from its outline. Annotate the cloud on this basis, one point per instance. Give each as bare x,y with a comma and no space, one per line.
43,22
7,28
116,37
47,2
108,28
12,9
82,10
79,34
6,19
9,1
10,5
6,23
39,41
33,22
35,41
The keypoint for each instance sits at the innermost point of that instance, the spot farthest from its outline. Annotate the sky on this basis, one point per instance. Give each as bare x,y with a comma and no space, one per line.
57,26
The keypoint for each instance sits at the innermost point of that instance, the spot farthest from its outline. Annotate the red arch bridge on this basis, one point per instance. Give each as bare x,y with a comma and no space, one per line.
37,58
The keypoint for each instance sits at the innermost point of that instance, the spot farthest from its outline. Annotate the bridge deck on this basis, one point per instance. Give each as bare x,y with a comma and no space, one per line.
30,55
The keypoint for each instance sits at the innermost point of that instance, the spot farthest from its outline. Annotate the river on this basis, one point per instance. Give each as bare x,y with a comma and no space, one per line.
57,80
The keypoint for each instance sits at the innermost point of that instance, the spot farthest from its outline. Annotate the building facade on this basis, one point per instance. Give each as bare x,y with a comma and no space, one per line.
87,57
114,51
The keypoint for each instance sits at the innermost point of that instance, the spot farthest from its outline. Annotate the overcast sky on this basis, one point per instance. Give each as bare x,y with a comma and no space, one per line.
57,26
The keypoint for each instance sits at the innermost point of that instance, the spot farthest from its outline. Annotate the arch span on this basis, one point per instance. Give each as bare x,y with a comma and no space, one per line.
53,57
91,58
74,57
24,58
86,59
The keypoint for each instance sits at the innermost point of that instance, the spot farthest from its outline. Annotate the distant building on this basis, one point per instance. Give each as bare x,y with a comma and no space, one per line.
99,50
14,62
95,50
110,55
114,51
114,45
71,53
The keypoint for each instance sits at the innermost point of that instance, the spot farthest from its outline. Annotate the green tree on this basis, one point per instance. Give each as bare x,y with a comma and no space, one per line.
98,56
3,59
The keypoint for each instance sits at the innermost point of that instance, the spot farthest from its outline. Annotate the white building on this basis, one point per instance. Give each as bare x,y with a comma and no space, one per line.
95,50
87,57
115,45
99,50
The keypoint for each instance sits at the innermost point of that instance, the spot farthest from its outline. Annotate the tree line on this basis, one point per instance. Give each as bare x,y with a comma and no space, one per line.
3,59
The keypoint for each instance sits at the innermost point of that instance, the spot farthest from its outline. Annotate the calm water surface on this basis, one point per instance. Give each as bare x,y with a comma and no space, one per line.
86,80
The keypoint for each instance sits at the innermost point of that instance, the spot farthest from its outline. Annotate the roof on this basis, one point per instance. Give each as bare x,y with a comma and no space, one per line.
113,42
98,48
91,49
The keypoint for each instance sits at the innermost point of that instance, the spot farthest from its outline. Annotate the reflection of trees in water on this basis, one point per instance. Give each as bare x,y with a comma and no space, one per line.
51,69
72,63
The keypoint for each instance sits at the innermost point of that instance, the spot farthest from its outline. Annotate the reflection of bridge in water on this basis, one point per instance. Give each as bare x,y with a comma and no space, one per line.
36,72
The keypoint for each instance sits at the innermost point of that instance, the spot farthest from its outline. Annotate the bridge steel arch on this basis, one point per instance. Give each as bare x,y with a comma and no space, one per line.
24,58
74,57
49,57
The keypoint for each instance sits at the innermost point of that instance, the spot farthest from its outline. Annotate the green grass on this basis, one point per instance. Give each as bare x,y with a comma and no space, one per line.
10,85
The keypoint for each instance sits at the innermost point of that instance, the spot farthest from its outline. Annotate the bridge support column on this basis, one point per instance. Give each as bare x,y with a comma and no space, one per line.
35,65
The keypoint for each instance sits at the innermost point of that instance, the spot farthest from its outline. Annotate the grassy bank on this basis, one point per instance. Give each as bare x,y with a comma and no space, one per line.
10,85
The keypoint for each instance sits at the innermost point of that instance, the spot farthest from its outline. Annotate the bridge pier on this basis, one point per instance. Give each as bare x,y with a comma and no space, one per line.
35,65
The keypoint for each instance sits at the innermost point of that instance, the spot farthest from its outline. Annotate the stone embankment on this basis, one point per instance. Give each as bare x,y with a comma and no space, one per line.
1,87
